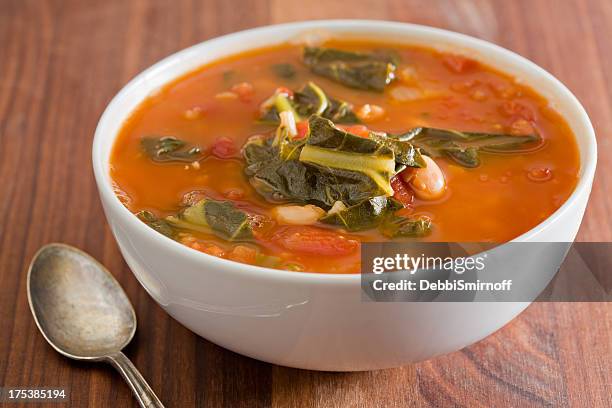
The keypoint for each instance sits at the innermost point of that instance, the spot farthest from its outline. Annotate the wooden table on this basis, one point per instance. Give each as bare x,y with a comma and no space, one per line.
62,61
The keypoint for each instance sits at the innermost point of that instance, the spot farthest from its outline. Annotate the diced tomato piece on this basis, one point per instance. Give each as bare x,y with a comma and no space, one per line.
357,130
234,193
521,127
244,90
209,249
224,148
407,174
315,241
243,253
517,110
401,192
302,129
458,63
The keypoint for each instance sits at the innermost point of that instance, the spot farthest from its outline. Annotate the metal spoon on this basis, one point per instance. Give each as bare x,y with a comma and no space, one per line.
83,312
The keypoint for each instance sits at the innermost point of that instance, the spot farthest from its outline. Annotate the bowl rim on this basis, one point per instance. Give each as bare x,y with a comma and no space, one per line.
108,197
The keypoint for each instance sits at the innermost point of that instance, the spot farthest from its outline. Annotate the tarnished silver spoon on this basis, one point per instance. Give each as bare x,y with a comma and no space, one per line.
83,312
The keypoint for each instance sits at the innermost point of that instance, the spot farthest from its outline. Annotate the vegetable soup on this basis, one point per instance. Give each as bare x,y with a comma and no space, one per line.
290,156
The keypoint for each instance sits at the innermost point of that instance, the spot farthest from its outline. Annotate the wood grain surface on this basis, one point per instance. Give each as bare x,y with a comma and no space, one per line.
60,64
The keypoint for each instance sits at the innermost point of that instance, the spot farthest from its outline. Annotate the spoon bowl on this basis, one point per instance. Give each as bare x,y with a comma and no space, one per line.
78,305
83,313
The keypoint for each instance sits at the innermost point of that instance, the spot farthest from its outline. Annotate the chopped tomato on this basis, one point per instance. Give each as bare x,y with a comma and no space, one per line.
302,129
243,253
521,127
315,241
224,148
401,192
244,90
407,174
517,110
260,224
210,249
357,130
457,63
234,193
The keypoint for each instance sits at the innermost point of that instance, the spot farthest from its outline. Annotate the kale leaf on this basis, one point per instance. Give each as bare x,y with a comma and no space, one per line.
219,217
365,215
169,149
332,150
158,224
396,226
310,100
281,180
464,147
367,71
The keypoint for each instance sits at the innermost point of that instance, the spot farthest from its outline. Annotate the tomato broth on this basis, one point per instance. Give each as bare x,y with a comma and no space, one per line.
217,109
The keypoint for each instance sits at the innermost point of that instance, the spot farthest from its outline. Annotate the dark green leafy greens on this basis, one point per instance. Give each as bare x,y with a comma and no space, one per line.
381,213
369,71
169,149
309,100
312,100
329,165
396,226
364,215
406,154
333,149
464,147
160,225
219,217
225,219
291,180
210,216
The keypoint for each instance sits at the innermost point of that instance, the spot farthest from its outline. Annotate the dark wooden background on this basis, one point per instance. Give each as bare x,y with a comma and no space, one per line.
60,64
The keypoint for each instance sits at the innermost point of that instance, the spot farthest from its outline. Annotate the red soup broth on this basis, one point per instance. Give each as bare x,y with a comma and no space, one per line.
217,106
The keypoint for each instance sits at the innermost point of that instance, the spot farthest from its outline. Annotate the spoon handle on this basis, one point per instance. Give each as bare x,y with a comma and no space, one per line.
142,391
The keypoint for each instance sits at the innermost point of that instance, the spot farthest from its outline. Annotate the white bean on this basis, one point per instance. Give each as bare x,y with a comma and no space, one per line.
428,182
297,215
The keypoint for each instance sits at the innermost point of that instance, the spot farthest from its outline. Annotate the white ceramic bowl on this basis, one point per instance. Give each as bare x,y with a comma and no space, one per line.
307,320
